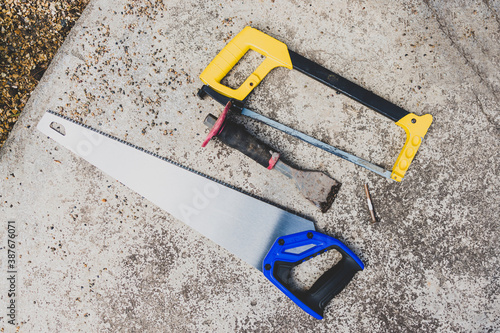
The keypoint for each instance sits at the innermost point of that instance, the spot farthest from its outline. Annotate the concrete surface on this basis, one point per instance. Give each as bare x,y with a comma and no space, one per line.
94,256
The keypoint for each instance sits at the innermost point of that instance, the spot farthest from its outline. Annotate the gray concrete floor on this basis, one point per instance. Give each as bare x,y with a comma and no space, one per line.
94,256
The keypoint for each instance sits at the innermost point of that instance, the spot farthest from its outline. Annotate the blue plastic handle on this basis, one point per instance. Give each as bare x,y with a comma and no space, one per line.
291,250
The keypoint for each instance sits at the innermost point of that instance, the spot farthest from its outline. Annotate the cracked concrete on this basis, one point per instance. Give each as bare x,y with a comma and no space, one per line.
94,256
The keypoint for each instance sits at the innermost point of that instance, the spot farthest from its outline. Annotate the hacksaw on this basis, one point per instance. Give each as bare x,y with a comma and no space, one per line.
278,55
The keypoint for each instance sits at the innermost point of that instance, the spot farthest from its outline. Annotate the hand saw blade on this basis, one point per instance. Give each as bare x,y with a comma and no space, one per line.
242,224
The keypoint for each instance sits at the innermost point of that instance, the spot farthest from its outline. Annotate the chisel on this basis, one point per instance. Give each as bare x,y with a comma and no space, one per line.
315,186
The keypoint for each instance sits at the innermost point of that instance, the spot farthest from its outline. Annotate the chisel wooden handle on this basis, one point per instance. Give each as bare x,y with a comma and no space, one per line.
237,137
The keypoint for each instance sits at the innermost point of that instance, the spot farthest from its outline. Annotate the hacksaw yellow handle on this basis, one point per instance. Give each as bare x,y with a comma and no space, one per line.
415,127
276,53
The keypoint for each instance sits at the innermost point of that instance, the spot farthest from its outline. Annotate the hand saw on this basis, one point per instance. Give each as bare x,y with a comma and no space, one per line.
267,237
278,55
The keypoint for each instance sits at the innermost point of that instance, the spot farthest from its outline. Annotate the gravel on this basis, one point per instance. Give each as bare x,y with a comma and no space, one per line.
31,32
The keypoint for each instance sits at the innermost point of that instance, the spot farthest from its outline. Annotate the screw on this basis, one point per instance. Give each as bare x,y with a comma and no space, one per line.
281,242
267,267
309,235
413,121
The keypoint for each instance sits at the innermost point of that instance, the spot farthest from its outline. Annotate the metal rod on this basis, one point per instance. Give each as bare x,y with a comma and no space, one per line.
370,206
